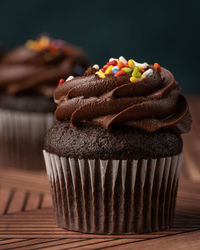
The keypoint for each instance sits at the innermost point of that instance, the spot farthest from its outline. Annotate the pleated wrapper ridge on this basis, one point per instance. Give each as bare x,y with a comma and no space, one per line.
114,196
21,135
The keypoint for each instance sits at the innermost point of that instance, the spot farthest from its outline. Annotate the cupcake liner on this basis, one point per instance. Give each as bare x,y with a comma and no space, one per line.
21,136
113,196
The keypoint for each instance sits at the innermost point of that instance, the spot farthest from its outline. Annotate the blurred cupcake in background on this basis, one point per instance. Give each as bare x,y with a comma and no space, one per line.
1,51
28,76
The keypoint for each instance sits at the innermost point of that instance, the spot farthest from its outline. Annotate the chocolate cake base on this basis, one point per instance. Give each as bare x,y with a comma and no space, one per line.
94,142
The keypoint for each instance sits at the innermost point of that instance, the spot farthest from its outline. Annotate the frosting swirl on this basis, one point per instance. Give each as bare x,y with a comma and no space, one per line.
37,66
150,104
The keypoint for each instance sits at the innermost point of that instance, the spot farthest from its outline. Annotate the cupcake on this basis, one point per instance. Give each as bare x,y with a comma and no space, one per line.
1,51
28,76
114,155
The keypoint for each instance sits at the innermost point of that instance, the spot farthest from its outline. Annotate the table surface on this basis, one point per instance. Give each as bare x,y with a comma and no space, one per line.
27,221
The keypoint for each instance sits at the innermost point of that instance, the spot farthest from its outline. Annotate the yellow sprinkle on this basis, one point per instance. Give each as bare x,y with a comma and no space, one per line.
30,44
100,74
109,70
131,63
134,79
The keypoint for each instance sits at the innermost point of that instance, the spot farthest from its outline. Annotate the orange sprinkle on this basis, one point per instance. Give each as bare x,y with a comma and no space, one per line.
120,64
156,65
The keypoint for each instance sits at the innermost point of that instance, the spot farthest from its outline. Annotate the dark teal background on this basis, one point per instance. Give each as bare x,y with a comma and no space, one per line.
163,31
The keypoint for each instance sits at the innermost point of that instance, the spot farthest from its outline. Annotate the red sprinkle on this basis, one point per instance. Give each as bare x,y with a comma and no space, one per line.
120,73
104,68
142,71
156,65
61,81
113,63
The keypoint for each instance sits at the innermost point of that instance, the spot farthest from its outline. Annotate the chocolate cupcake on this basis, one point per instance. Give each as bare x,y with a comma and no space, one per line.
114,155
1,51
28,76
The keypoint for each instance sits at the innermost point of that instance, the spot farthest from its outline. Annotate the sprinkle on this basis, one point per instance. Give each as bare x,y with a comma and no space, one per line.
143,76
148,72
61,81
142,70
104,68
113,63
69,78
100,74
95,66
115,69
136,72
131,63
143,65
120,64
156,65
112,59
44,42
120,73
109,70
134,79
121,67
127,70
122,59
30,44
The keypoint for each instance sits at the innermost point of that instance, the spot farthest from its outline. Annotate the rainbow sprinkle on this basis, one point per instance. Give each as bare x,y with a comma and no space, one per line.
52,46
120,67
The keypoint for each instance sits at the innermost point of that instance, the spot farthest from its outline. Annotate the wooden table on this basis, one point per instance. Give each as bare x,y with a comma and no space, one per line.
27,221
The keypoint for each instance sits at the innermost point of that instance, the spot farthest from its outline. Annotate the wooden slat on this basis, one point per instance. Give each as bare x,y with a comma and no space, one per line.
63,244
46,202
191,165
21,179
181,241
40,243
10,241
5,196
17,202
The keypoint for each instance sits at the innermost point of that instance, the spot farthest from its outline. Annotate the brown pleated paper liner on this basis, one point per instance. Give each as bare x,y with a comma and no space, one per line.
21,138
113,196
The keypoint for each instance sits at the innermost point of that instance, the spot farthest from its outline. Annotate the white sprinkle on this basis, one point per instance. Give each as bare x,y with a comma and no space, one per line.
95,66
143,65
122,59
111,59
69,78
148,72
116,67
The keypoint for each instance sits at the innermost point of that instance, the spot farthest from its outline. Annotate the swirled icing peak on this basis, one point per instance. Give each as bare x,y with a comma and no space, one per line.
124,92
36,66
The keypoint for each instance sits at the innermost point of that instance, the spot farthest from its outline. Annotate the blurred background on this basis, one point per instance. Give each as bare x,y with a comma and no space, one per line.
166,32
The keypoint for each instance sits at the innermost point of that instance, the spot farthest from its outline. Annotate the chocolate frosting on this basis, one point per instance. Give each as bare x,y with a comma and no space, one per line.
153,103
23,69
